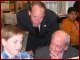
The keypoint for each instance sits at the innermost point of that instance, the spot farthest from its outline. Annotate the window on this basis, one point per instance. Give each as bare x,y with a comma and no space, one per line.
59,7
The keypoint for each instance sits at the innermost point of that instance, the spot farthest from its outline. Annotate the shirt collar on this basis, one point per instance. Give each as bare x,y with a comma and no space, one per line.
37,26
6,55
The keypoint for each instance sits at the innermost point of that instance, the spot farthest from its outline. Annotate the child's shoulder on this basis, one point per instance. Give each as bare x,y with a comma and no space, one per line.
24,54
4,55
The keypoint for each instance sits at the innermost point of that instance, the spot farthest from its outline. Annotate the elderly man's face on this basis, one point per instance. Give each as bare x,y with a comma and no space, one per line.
37,13
57,45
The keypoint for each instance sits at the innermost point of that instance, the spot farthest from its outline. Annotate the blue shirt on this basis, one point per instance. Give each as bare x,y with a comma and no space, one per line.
21,55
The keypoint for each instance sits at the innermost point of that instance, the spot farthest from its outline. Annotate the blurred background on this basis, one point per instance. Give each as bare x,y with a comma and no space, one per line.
9,9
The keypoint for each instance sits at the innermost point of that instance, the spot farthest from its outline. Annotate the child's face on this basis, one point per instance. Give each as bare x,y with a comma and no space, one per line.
14,44
72,15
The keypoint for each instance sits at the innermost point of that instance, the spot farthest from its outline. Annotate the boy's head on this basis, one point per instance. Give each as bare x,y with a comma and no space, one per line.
11,38
72,13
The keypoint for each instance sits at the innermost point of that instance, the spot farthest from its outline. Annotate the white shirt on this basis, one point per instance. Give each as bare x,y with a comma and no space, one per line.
37,26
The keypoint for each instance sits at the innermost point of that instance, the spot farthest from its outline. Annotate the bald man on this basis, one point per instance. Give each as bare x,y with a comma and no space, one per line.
59,47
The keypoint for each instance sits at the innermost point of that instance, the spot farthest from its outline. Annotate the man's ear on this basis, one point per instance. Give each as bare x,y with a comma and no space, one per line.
3,41
29,13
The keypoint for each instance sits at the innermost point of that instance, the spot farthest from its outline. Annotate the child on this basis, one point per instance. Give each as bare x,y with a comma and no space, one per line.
12,38
71,26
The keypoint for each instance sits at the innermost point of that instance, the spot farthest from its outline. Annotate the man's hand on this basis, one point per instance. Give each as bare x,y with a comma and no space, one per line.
31,53
55,56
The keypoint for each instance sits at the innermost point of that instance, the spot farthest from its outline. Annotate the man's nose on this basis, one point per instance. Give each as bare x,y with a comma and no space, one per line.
37,18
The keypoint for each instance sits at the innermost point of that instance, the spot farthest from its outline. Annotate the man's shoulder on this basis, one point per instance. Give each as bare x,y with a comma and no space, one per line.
24,54
72,52
23,11
50,12
72,49
51,15
43,48
42,52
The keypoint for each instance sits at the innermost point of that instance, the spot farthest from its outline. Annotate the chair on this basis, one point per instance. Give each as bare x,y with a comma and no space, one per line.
25,42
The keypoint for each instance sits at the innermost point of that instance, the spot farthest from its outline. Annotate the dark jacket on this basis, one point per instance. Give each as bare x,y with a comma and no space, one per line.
48,25
43,53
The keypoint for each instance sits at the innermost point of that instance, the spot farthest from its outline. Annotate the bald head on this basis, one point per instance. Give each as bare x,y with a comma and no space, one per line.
61,37
40,4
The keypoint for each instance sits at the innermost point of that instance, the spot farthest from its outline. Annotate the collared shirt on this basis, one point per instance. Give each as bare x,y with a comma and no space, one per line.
21,55
36,26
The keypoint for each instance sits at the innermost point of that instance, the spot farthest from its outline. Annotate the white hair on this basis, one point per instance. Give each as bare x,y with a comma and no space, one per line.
67,40
67,36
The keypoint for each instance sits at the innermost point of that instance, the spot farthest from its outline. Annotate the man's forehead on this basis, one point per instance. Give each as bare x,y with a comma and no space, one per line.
38,11
37,7
57,40
34,6
58,37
